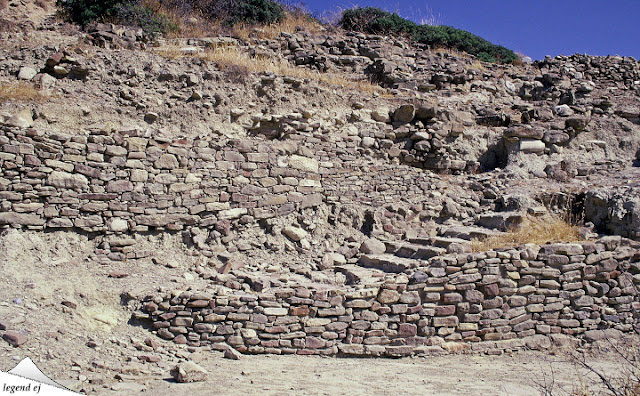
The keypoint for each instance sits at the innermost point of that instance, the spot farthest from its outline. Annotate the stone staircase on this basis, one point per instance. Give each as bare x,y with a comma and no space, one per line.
410,253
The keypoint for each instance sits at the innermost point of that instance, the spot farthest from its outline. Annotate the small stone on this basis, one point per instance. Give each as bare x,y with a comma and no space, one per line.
232,354
27,73
189,372
70,303
14,338
118,274
106,319
294,233
373,246
332,259
150,117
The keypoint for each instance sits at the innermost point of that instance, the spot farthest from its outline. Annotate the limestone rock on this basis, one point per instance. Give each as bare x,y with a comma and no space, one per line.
532,146
26,73
381,114
294,233
67,180
304,163
167,161
373,246
332,259
189,372
23,119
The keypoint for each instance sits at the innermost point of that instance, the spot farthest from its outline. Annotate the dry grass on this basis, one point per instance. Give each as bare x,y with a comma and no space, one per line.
19,92
533,230
294,22
234,61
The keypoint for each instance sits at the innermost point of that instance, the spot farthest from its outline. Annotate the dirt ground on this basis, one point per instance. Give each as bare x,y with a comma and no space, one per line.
522,374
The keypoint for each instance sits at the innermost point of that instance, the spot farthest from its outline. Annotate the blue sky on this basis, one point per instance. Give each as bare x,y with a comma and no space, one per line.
535,28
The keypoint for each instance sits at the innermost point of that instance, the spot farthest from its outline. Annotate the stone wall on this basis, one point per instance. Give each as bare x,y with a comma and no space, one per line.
491,302
124,182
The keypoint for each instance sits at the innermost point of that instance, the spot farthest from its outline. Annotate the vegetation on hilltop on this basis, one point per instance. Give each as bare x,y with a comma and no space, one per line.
376,21
164,16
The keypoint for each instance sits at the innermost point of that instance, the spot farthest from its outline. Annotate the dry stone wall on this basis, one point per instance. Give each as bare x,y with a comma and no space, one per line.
124,182
485,302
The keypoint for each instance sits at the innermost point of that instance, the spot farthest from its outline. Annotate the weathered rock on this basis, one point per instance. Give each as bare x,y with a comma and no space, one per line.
23,119
26,219
404,114
26,73
303,163
294,233
67,180
373,246
330,260
189,372
14,338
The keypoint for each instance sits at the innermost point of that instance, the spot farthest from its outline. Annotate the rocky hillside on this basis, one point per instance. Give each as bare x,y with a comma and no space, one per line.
319,188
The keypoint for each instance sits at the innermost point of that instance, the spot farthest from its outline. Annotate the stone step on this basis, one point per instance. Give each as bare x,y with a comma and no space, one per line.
413,250
502,221
469,232
388,262
450,245
442,242
360,275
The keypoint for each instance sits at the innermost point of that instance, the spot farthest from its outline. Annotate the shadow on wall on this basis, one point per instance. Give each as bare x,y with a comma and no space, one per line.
495,157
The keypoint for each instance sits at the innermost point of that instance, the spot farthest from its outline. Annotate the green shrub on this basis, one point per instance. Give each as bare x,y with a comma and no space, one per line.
376,21
137,13
231,12
87,11
149,20
128,12
258,11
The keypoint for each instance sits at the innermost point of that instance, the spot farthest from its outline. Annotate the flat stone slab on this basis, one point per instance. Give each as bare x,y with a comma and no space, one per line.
388,263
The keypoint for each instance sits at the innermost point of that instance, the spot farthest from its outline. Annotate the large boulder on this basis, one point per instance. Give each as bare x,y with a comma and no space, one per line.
404,114
614,210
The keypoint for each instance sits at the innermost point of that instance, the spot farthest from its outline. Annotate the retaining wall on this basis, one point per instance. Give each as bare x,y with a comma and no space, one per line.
124,182
490,302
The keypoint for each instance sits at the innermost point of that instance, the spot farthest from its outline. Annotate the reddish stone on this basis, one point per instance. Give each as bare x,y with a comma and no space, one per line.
407,330
491,290
299,311
445,310
118,274
315,342
14,338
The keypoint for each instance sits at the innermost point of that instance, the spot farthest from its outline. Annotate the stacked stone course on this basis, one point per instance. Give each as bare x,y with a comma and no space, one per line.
124,182
486,302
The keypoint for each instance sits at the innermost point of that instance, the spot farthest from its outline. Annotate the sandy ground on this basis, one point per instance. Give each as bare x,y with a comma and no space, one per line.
522,374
